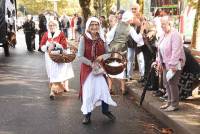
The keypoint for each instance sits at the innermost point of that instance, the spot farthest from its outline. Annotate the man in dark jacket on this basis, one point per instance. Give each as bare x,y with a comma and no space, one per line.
29,31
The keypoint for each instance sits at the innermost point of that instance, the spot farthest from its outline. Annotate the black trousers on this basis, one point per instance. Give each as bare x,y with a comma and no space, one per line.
104,106
30,41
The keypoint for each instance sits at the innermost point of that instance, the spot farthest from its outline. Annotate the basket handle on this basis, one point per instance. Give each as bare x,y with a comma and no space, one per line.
124,59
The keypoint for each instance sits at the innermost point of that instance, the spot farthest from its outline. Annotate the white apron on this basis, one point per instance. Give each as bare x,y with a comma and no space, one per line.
58,72
95,90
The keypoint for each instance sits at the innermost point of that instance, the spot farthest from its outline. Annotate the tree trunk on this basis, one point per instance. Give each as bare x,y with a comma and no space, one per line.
85,6
196,25
118,4
108,4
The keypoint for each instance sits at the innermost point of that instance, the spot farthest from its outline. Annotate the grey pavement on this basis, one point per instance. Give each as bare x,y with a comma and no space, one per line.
184,121
25,107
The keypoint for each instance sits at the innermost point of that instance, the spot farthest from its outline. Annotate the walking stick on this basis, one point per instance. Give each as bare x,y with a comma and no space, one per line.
145,87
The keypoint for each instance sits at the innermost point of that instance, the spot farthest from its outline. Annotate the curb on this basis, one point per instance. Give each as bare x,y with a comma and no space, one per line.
151,105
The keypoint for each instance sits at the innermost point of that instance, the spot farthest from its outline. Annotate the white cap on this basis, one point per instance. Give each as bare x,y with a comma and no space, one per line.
128,15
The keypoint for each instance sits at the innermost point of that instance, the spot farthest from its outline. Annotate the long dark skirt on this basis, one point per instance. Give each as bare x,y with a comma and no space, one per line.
190,76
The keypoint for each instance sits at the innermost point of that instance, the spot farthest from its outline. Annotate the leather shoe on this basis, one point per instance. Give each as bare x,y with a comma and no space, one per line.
109,115
86,120
164,106
170,109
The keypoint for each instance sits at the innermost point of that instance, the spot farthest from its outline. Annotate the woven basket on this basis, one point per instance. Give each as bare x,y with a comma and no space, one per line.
114,70
63,58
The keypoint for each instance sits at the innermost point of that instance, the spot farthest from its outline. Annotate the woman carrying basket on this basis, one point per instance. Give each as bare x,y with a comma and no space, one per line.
94,87
58,73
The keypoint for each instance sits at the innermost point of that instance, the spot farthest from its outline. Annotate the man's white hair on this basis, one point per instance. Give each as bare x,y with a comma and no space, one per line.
136,5
127,16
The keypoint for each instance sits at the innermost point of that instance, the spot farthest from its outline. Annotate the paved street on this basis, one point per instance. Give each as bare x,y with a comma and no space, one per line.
25,107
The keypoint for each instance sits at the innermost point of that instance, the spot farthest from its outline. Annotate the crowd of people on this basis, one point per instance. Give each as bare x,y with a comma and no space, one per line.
156,46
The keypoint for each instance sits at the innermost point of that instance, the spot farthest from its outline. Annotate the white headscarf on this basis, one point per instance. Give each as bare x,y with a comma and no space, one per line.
101,33
57,31
54,22
128,15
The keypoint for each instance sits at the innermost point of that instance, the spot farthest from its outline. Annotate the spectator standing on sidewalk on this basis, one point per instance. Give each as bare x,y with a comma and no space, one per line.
103,23
135,49
73,23
42,27
171,59
29,31
65,24
78,28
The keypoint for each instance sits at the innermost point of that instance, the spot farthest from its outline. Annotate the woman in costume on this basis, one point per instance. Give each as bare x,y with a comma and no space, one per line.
58,73
94,88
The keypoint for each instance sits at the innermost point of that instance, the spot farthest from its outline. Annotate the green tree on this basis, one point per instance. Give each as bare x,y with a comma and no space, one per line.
39,6
102,7
108,5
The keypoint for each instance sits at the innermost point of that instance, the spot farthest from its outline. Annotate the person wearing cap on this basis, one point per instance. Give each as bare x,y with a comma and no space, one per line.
94,88
119,38
135,49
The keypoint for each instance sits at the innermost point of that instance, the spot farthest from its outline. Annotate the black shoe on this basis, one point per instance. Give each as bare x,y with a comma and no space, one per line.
163,98
129,79
52,97
124,92
86,120
109,115
158,93
40,50
141,80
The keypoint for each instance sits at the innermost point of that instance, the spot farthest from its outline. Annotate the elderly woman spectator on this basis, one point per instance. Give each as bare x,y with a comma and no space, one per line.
171,59
94,88
58,73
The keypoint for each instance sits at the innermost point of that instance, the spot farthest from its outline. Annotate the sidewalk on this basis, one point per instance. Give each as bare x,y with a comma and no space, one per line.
184,121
